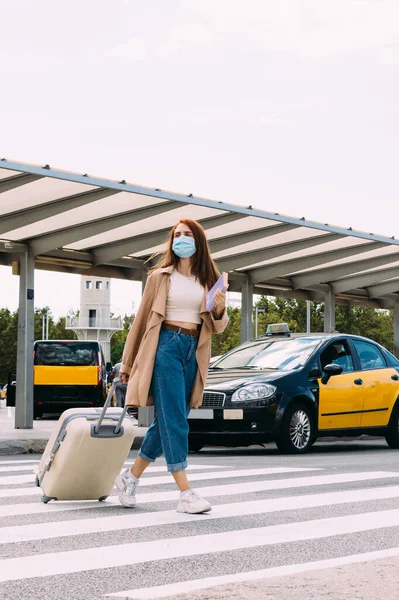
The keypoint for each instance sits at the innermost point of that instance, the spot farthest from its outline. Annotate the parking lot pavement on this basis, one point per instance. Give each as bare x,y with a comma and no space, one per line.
22,441
358,581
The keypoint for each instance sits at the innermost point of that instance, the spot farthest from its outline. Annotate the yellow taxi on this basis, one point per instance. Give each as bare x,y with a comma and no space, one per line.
292,390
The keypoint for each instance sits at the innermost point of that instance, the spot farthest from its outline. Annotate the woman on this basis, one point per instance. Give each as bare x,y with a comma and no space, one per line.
166,357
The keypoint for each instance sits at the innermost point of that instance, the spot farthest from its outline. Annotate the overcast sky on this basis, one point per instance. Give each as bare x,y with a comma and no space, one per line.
288,105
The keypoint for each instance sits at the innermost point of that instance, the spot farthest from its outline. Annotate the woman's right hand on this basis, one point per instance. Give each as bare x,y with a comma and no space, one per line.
124,377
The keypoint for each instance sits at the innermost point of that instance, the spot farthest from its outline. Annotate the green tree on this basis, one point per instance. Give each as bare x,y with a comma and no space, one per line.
118,340
317,317
230,338
373,323
9,333
290,311
116,353
8,346
56,329
359,320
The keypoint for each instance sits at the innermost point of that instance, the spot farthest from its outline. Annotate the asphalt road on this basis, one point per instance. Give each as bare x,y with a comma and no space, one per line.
274,518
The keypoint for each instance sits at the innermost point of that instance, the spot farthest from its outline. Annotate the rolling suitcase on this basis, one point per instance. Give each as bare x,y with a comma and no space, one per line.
85,453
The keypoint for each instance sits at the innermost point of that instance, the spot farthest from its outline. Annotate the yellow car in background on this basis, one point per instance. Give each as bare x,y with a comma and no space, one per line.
67,374
3,392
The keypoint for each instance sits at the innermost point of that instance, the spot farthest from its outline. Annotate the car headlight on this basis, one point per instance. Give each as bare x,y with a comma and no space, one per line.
253,391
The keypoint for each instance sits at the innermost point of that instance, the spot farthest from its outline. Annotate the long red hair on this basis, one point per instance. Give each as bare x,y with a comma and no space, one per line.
202,264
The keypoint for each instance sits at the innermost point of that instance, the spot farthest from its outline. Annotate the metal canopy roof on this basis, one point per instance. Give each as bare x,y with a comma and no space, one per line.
82,224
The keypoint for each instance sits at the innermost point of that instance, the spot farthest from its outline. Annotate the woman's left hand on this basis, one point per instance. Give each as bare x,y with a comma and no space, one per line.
220,303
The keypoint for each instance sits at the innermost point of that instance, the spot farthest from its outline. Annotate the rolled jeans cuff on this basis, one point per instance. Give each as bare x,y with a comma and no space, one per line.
145,457
177,466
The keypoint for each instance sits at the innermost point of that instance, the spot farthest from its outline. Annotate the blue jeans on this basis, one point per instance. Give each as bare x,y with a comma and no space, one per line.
175,368
120,392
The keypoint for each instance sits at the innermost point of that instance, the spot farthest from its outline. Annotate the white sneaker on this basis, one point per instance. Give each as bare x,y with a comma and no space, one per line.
127,487
191,502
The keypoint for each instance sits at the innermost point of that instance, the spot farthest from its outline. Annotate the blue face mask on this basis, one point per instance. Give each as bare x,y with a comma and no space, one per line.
184,246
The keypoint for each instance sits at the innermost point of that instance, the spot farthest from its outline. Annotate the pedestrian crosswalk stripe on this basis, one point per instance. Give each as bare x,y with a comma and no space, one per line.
193,467
162,591
232,488
44,531
167,479
16,479
33,462
9,469
75,561
19,462
151,469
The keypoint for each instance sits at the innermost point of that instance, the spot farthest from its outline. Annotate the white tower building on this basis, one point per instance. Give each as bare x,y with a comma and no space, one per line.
94,321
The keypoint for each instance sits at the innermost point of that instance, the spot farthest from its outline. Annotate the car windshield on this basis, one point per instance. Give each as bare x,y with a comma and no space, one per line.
71,354
284,355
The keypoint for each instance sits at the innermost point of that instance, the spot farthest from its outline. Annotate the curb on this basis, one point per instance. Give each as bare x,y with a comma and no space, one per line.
11,446
343,438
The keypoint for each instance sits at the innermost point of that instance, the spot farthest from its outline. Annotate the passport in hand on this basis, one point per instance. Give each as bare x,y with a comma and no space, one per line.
221,284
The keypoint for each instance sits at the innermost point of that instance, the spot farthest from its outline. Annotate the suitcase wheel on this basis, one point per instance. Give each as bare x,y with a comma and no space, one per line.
46,499
102,498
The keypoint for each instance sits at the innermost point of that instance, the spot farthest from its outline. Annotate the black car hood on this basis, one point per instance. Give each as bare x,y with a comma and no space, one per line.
227,379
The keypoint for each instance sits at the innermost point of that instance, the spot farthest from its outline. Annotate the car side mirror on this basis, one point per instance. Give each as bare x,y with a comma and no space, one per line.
329,371
314,373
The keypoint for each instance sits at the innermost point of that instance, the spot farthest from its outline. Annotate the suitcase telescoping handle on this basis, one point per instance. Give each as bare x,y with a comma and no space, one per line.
106,406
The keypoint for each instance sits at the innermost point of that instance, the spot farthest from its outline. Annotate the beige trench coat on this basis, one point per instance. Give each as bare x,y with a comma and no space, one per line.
142,341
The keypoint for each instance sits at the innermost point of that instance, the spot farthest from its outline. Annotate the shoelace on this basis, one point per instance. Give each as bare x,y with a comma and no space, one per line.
192,496
130,486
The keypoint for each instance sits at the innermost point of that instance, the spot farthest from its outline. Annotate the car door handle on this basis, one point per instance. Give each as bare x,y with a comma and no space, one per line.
395,377
358,382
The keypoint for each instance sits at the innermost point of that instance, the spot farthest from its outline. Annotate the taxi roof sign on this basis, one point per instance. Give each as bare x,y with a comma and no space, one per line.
278,329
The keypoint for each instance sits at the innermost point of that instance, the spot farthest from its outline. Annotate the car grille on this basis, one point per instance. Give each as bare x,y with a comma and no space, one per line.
213,400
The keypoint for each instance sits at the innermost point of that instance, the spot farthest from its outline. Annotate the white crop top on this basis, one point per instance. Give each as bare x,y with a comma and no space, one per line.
184,299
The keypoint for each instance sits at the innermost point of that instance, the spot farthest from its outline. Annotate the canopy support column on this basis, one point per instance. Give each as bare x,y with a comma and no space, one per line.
329,312
246,310
396,330
26,311
144,277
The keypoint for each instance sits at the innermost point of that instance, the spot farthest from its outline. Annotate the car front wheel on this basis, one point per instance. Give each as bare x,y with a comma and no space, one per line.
297,431
195,445
392,436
